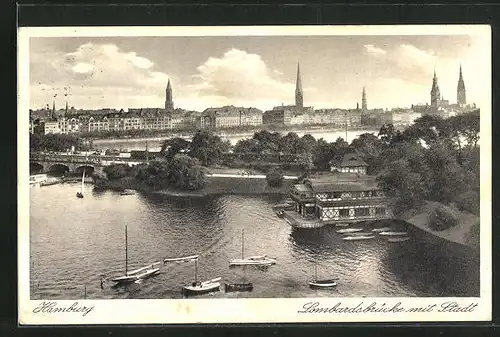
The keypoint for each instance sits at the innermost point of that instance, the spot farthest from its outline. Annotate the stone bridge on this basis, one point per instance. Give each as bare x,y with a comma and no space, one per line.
42,163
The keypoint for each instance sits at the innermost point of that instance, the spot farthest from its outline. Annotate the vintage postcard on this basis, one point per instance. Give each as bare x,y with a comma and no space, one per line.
254,174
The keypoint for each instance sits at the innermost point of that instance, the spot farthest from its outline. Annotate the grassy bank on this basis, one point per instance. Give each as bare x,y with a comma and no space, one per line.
465,231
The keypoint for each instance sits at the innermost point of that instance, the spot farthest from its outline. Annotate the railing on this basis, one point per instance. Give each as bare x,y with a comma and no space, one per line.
81,158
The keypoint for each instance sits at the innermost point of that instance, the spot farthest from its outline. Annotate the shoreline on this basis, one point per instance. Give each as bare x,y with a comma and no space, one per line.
221,133
216,185
457,234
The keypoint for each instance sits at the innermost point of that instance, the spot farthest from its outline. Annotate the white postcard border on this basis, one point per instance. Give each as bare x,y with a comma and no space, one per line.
256,310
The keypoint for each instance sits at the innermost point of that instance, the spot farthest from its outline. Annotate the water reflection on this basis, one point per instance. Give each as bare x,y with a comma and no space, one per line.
75,242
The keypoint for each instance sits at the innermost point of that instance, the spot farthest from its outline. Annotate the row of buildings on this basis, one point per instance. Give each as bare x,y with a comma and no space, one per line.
71,120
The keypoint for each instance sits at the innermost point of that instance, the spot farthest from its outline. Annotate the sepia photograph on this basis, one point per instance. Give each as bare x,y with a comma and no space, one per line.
243,170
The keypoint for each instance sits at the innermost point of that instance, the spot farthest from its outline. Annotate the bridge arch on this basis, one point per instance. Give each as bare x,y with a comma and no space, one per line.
36,168
89,170
59,169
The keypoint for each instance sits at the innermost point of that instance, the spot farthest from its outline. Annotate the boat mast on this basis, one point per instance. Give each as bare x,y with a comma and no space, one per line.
316,271
83,180
196,271
242,243
126,252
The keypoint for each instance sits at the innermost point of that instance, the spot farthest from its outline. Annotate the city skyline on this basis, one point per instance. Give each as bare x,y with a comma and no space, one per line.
251,71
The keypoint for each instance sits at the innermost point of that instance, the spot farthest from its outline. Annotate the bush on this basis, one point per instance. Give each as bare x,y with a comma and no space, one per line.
117,171
442,218
468,201
473,235
275,177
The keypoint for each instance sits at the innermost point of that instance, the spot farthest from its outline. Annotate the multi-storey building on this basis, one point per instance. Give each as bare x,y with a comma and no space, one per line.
340,197
229,117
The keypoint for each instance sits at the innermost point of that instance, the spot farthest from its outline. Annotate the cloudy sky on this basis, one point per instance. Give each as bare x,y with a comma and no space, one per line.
257,71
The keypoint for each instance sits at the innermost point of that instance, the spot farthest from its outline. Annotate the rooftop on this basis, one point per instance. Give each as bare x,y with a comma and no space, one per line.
342,182
349,160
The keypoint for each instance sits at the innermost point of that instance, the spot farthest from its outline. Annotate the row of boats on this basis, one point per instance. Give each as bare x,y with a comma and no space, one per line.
357,234
197,286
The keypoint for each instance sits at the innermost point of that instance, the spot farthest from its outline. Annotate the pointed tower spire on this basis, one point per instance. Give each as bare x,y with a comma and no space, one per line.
435,93
364,105
299,96
53,117
169,103
461,95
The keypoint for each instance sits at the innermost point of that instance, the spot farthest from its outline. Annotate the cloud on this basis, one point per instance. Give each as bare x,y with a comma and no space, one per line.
239,77
372,50
93,71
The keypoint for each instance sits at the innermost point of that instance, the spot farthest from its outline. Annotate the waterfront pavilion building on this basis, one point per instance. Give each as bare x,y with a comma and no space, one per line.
340,197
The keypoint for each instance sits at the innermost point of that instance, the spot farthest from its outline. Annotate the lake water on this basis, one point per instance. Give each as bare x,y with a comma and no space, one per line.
75,241
154,144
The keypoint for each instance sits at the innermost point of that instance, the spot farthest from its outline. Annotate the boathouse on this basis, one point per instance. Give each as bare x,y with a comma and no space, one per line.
341,197
349,163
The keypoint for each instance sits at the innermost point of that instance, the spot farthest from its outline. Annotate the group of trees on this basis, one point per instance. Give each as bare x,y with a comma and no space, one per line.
205,146
58,142
434,159
180,173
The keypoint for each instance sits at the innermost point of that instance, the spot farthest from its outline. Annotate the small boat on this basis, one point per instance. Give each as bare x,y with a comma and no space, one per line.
259,260
359,234
80,194
392,233
342,225
127,192
356,238
181,259
138,274
280,214
398,239
322,283
349,230
383,229
204,287
325,283
242,286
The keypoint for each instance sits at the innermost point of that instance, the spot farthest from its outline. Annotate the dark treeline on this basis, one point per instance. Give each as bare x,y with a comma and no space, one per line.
58,142
181,172
138,133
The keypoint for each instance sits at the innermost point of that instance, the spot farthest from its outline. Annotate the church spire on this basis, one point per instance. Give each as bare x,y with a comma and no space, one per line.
169,103
461,96
435,93
364,105
299,96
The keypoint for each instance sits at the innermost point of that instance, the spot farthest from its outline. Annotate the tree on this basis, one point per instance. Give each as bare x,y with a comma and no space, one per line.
389,135
447,175
207,147
58,142
369,147
288,143
186,173
247,146
173,146
275,177
117,171
269,142
306,144
408,188
428,128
